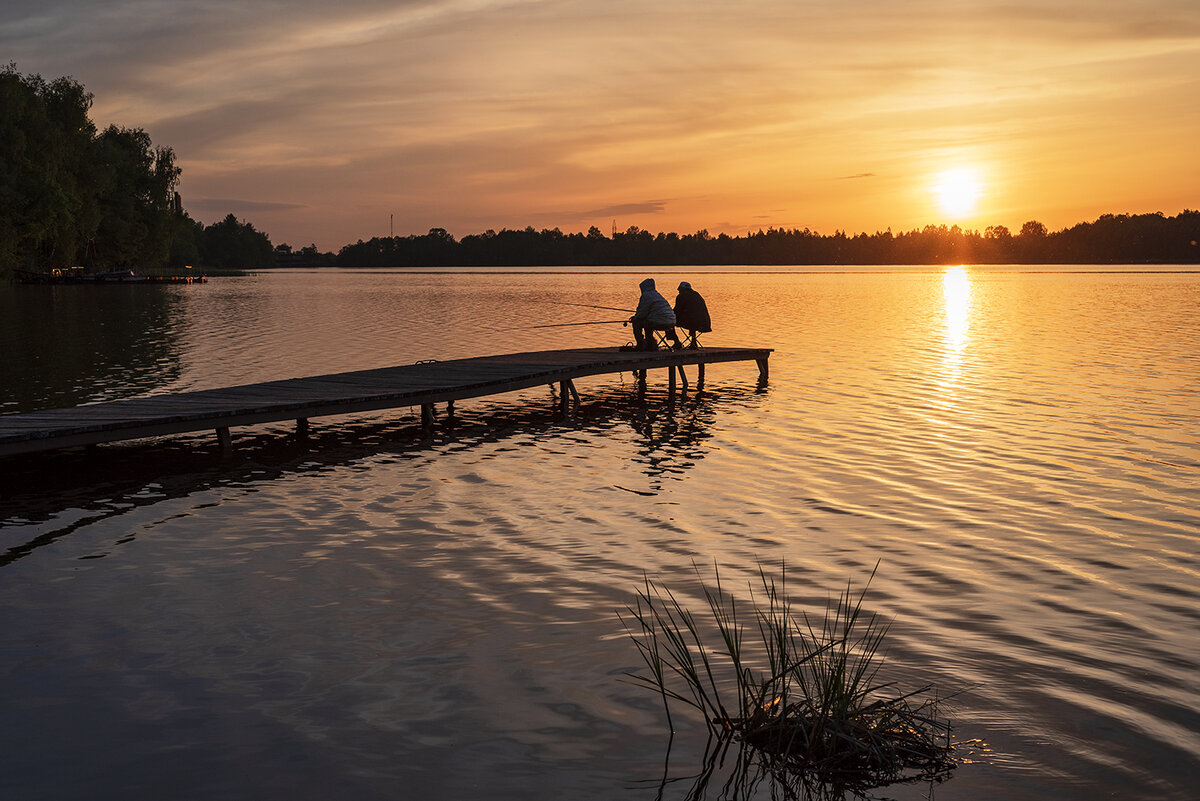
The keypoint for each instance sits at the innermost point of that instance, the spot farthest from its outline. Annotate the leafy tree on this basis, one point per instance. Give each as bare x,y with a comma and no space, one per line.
185,246
234,244
71,195
1033,229
136,195
45,138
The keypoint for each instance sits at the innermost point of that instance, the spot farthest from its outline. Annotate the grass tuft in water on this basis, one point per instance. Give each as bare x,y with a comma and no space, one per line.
805,694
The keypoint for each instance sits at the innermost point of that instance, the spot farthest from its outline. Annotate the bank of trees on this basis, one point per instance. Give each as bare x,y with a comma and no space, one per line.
72,195
1111,239
230,244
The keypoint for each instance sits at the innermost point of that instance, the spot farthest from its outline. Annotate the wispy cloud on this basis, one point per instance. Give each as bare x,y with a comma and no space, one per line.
233,206
649,208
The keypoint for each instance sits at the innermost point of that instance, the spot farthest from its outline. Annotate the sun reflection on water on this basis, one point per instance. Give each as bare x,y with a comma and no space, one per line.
956,289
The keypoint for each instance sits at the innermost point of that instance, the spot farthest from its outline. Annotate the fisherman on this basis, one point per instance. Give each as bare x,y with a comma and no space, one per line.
653,314
691,313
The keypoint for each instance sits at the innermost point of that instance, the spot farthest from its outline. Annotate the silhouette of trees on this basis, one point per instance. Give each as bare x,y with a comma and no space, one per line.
233,243
1033,230
135,194
1112,239
307,256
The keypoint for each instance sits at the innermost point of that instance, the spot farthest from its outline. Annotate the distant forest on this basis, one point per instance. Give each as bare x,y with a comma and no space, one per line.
1111,239
72,195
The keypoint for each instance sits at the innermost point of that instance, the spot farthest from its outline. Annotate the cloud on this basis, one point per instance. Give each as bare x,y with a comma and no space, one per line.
856,175
232,206
650,207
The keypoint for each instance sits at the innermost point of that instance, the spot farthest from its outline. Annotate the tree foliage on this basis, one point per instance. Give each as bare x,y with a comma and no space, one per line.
138,219
234,243
75,196
72,195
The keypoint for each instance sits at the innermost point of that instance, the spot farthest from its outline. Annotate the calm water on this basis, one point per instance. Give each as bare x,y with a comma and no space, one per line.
381,617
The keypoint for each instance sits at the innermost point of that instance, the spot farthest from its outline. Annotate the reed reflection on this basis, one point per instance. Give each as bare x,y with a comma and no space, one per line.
732,771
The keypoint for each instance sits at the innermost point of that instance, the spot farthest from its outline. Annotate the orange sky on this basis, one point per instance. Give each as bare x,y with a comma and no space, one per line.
316,121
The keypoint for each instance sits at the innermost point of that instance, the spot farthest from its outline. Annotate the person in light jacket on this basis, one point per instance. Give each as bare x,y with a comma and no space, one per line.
653,313
691,313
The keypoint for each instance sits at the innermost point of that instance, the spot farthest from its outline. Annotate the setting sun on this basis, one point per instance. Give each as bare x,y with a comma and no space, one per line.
957,192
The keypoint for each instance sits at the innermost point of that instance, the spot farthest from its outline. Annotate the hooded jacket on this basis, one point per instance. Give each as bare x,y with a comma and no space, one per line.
652,308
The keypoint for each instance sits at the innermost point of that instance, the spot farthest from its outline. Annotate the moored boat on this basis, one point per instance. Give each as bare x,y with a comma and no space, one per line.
76,275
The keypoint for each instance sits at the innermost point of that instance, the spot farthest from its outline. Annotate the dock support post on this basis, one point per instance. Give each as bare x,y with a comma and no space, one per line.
763,372
671,381
566,397
302,427
224,440
427,416
682,378
449,408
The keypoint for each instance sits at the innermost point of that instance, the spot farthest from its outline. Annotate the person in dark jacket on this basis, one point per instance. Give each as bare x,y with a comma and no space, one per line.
653,314
691,313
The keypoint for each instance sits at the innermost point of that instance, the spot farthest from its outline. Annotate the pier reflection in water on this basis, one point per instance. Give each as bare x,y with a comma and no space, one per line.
107,482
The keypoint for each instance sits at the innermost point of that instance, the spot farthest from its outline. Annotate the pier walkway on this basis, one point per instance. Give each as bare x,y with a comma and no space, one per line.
422,384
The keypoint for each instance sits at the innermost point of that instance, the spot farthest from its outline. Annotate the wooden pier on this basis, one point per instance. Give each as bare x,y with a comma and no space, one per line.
422,384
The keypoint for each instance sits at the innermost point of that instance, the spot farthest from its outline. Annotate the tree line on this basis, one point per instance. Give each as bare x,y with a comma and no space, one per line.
72,195
1110,239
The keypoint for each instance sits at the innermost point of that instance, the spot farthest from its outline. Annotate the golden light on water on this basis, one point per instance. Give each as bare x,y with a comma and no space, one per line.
956,290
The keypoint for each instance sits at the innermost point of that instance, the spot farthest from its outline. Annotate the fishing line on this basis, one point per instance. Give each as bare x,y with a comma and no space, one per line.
561,325
590,306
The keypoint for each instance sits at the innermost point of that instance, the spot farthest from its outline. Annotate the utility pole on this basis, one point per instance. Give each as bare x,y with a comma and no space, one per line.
391,225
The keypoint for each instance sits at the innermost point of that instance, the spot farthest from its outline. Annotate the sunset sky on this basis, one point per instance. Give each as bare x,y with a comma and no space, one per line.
316,121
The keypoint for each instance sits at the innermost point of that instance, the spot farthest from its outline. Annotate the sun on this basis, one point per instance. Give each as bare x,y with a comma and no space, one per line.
957,192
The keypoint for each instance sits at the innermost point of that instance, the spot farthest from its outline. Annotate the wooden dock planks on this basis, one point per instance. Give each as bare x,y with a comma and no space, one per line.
419,384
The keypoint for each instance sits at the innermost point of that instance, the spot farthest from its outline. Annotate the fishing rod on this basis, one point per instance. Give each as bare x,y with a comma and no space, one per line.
590,306
562,325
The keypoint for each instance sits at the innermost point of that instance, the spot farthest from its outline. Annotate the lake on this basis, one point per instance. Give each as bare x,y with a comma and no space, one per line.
376,615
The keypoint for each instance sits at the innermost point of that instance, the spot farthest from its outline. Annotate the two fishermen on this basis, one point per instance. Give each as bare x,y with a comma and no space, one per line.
655,314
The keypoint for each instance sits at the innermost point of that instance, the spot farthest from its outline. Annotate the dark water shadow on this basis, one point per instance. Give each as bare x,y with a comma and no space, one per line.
67,345
731,770
104,482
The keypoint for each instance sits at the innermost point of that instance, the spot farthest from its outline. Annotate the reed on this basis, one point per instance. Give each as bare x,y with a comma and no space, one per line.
804,693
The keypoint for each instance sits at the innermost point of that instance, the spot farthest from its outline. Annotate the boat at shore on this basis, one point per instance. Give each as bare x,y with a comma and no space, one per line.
76,275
